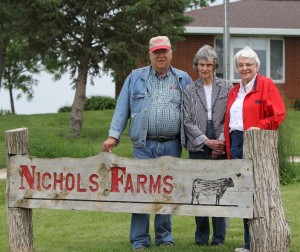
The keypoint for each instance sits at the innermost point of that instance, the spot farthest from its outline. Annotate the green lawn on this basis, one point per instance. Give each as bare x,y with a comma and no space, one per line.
57,230
292,127
48,134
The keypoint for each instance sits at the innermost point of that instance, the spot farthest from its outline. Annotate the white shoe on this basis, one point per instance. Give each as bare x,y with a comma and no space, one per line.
241,250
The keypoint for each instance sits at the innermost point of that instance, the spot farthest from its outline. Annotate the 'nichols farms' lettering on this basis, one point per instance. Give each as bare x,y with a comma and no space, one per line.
120,181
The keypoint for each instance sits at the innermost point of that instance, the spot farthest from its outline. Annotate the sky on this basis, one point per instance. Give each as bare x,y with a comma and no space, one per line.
49,95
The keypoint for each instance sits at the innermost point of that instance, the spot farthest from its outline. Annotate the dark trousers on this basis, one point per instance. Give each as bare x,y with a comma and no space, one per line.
236,152
202,223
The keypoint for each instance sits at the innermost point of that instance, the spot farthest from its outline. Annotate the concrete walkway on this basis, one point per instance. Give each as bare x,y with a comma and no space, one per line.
3,174
295,159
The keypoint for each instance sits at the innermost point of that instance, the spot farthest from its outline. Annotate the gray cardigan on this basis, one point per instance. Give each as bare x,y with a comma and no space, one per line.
195,112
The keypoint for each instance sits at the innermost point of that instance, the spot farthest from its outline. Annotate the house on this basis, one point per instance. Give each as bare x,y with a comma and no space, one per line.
271,28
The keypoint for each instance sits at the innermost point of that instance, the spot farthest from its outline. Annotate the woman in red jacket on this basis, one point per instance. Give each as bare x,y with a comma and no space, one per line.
255,103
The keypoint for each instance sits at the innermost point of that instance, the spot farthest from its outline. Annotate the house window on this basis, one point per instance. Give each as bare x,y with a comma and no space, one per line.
270,53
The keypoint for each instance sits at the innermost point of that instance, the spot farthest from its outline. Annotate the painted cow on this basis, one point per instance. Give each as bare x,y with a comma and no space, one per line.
210,188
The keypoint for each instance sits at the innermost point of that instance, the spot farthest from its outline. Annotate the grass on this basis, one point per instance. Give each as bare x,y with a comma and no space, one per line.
58,230
291,127
48,134
83,231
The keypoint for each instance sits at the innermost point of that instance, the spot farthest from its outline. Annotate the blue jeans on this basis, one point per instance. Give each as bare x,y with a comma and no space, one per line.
203,230
202,223
139,230
236,152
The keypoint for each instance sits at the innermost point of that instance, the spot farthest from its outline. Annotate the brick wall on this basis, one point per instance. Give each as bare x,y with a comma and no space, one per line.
291,87
185,51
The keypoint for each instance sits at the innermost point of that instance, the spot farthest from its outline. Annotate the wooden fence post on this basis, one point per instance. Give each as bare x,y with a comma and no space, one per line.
19,220
269,230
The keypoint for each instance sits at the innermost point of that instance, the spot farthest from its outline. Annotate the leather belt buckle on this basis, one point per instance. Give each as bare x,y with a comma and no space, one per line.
162,139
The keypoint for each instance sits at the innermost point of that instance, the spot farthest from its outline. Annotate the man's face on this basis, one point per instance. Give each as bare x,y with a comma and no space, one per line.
161,59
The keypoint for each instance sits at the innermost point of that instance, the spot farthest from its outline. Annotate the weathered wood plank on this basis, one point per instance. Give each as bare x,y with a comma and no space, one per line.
19,220
110,183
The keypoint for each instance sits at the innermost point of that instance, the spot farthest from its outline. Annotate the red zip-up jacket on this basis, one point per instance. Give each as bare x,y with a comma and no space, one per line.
263,107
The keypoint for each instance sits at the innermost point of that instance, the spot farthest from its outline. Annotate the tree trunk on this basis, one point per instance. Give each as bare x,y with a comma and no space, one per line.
19,220
12,104
2,61
78,104
118,88
269,230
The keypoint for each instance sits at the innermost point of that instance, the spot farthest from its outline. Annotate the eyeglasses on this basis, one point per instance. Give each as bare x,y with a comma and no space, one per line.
247,65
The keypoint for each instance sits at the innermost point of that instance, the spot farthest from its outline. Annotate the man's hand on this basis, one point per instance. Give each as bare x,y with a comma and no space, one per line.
109,144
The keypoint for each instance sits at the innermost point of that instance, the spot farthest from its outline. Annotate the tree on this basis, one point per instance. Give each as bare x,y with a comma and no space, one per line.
165,18
84,34
18,30
128,43
195,4
6,30
19,66
81,35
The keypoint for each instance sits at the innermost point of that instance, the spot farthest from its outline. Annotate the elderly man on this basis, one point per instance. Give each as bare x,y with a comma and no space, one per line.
152,98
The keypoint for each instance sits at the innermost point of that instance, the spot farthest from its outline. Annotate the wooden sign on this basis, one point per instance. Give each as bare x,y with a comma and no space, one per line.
109,183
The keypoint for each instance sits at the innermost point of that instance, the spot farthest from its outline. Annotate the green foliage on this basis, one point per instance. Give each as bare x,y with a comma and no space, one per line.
289,135
20,65
49,135
297,104
128,42
94,103
99,103
10,16
88,36
64,109
195,4
20,57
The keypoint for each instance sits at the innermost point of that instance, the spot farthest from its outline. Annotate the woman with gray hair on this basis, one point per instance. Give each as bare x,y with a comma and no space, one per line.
204,108
255,103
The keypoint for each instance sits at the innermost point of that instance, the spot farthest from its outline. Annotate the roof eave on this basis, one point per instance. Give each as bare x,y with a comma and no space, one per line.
242,31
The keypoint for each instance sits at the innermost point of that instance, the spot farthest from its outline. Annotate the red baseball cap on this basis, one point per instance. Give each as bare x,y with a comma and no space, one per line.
159,42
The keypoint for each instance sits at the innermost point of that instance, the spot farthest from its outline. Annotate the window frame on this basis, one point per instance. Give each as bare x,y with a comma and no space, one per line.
249,43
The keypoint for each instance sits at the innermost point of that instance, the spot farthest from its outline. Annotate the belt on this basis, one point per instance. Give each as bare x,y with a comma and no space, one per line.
236,132
162,139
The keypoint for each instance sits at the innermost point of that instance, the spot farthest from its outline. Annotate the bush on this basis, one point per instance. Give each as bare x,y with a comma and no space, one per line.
65,109
93,103
99,103
297,104
5,112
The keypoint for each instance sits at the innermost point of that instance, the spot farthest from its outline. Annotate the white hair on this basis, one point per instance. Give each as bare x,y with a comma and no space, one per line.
246,52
